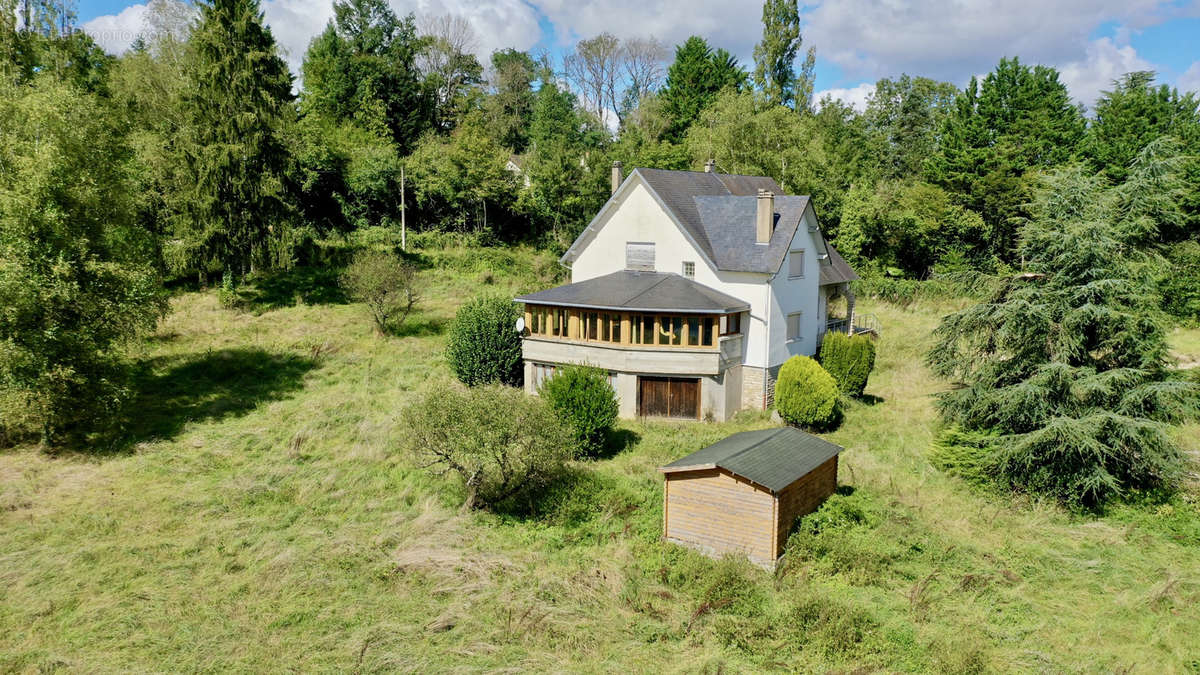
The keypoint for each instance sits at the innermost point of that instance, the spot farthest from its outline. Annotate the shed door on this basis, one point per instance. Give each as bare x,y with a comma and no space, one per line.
669,397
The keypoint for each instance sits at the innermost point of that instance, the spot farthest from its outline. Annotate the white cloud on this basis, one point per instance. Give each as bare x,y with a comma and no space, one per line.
115,32
294,23
1190,80
949,39
732,25
856,97
1103,63
866,39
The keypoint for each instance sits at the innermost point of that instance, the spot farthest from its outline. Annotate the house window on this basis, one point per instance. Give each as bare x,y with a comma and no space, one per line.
731,324
796,264
794,322
645,335
689,269
639,256
693,330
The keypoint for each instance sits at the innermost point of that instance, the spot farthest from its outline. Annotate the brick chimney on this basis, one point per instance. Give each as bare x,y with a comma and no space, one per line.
617,176
765,222
710,166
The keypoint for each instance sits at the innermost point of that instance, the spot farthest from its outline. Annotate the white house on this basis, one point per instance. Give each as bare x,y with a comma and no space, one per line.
691,289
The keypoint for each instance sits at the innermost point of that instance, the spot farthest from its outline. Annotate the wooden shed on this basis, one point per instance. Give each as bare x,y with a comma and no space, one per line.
742,494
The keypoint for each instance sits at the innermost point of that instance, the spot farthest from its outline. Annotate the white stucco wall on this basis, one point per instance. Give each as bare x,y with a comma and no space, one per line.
797,295
636,215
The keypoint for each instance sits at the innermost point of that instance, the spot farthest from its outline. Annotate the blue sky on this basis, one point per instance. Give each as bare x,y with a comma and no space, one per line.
858,41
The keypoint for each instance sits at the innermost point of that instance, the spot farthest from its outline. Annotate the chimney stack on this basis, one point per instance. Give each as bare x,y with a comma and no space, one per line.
710,166
617,177
765,222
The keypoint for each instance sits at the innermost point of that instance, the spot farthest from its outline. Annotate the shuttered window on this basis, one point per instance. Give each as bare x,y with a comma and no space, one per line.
796,264
794,322
639,256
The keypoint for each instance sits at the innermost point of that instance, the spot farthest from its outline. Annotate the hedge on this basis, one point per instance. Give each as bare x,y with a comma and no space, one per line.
806,395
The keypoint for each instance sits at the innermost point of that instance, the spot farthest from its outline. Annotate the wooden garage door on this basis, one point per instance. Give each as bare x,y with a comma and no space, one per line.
669,397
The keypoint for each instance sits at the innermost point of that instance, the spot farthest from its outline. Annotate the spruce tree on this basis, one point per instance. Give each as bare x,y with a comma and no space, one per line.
1063,369
694,79
238,102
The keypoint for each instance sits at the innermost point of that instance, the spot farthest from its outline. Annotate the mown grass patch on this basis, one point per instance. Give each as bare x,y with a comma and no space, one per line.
261,518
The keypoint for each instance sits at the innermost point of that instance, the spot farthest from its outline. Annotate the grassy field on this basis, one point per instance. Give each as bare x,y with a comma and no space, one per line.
259,518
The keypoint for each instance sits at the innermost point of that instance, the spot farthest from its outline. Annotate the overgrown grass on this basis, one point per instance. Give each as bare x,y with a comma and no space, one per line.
1185,345
259,518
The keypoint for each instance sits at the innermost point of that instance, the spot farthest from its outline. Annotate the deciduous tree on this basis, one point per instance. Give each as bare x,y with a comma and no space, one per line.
77,280
775,54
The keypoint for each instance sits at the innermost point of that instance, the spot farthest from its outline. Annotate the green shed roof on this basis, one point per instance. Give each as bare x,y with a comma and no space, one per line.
773,458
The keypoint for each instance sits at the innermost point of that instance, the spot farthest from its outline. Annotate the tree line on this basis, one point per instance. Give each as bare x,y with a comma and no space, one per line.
198,153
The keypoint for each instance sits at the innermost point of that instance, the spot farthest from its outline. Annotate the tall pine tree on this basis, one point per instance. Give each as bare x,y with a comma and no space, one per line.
238,101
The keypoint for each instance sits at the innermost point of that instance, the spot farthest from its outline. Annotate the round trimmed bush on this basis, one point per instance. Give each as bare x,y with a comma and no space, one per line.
484,345
849,360
806,395
585,401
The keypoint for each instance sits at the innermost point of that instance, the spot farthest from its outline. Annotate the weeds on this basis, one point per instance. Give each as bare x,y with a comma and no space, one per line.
263,521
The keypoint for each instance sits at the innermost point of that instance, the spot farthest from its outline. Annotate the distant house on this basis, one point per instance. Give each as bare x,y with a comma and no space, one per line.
691,289
744,493
516,166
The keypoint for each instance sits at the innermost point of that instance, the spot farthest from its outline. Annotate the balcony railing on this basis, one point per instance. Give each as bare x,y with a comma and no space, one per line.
863,324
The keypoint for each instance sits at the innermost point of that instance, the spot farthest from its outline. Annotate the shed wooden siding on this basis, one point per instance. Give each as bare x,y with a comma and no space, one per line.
713,509
803,497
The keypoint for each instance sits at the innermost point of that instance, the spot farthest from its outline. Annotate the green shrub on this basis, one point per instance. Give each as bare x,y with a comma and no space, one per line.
502,444
484,346
584,400
227,294
386,284
806,395
849,360
78,280
966,454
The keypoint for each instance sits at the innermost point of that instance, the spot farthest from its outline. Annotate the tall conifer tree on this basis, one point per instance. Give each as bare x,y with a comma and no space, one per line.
695,78
239,100
1019,119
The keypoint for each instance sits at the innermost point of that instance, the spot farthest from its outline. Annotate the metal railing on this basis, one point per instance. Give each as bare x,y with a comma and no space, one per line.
863,323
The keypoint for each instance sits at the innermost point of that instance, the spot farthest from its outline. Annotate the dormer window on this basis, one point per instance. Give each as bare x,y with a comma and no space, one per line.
689,269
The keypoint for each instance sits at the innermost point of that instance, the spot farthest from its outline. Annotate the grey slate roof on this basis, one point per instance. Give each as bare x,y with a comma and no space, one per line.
773,458
718,211
679,189
641,291
838,271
